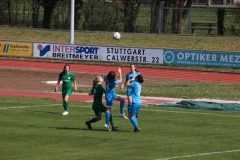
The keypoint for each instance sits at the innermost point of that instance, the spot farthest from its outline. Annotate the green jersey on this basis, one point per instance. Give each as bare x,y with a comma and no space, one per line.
67,80
98,92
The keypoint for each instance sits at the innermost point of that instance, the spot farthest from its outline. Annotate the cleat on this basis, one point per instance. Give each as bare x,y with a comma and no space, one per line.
123,116
107,126
115,129
88,125
137,129
65,113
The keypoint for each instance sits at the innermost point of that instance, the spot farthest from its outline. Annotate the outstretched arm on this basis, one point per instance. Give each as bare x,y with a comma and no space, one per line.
120,74
128,83
56,88
124,84
75,85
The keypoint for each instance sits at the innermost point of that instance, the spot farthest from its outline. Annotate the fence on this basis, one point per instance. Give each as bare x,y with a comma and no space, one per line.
103,16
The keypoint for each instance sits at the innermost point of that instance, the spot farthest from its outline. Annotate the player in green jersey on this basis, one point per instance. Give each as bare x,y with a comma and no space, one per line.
97,106
68,82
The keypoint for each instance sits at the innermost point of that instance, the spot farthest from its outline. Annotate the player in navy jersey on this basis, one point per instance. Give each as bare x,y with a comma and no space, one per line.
110,95
133,110
130,75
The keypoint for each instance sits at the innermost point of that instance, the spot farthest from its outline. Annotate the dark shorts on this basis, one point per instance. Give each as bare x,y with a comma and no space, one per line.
99,108
66,92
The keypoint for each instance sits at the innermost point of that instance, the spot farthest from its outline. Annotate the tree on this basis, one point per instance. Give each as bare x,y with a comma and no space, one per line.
48,6
180,15
221,13
78,14
5,17
9,12
154,15
35,13
130,11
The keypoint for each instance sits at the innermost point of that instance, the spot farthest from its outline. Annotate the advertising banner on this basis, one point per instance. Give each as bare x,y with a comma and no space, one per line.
98,53
201,58
19,49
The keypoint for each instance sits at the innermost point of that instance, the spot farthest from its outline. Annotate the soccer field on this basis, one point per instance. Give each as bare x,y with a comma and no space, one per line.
33,129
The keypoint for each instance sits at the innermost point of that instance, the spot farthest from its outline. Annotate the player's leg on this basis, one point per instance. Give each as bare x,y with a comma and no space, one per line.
67,94
122,103
107,117
132,116
98,113
109,103
114,127
65,102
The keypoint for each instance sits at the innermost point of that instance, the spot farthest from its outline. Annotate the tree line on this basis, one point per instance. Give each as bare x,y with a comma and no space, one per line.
97,14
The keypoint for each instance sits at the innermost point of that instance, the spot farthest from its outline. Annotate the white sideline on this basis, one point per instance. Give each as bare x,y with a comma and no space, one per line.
209,114
200,154
182,112
30,106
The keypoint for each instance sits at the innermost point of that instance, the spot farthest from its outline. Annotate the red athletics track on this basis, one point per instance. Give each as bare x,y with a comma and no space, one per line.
101,69
146,72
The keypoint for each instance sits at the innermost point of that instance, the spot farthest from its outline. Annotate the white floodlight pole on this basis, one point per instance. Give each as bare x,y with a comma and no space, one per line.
72,22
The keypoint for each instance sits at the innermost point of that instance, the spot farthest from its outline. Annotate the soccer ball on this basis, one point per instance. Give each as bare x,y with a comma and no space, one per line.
116,35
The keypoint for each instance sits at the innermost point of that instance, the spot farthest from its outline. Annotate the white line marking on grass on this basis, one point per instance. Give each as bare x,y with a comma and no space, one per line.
29,106
200,154
195,113
209,114
81,106
15,102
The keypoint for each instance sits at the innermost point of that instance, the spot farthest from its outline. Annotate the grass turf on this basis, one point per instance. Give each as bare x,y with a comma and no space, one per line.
35,129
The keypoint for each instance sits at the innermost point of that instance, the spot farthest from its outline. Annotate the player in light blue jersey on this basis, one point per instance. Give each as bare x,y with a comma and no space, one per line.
136,100
130,75
98,107
110,95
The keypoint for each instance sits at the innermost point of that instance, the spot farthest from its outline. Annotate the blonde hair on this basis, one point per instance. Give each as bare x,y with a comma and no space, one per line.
95,81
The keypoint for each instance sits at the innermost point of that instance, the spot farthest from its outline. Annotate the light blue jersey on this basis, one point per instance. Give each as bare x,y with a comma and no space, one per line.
128,75
136,90
110,94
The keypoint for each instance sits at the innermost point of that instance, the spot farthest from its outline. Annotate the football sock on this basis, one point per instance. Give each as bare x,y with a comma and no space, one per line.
112,121
66,106
134,121
93,120
122,107
107,116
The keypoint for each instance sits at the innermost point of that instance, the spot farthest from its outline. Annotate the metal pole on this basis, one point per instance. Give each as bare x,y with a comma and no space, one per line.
189,20
72,22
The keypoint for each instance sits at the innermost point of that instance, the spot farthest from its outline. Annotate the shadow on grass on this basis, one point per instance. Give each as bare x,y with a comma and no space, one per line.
86,129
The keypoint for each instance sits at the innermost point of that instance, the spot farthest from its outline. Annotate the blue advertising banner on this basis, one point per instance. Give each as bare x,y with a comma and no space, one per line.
201,58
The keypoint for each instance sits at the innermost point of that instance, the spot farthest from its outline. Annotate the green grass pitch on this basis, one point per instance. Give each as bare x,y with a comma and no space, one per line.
34,129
